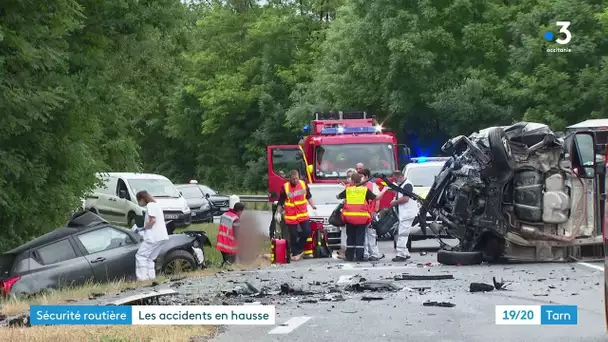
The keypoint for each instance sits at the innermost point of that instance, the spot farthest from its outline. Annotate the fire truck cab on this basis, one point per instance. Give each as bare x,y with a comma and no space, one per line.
599,127
335,142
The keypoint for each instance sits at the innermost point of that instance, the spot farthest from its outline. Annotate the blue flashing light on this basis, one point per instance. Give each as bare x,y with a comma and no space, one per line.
349,130
306,128
429,159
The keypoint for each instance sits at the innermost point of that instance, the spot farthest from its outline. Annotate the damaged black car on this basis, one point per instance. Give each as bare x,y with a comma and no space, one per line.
520,192
88,248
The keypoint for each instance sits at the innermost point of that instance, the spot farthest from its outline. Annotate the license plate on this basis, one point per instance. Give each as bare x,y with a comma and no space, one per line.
172,217
199,254
224,209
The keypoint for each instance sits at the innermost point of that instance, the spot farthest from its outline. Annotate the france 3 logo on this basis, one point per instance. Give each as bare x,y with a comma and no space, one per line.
563,37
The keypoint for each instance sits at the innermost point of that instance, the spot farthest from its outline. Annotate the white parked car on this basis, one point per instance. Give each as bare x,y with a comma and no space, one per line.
324,197
115,199
422,172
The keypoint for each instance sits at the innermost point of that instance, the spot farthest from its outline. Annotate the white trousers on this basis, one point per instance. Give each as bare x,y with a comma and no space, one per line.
403,235
144,259
343,238
371,243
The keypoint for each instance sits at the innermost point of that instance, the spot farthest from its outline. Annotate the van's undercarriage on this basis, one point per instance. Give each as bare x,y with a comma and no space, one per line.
517,192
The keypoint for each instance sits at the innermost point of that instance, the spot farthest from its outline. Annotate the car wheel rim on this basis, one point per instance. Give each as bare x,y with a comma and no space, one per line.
178,266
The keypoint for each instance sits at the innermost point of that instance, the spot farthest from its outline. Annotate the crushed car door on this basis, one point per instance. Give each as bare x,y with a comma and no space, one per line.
111,253
281,160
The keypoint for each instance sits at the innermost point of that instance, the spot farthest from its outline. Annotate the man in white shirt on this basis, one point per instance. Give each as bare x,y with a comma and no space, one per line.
155,235
407,210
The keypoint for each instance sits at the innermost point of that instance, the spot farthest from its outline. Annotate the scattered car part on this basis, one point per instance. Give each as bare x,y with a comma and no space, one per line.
370,298
499,285
459,258
480,287
374,286
143,298
439,304
423,277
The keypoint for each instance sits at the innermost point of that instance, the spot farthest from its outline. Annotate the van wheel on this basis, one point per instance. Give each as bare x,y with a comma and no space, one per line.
501,150
179,261
130,219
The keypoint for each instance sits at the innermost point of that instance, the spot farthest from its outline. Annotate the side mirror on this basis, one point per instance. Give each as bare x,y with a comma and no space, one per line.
583,144
299,155
122,194
207,195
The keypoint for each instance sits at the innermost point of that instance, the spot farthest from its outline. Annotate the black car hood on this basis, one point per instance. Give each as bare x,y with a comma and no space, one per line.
216,199
196,202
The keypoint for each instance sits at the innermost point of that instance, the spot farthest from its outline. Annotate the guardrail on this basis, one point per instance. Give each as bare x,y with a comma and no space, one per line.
253,198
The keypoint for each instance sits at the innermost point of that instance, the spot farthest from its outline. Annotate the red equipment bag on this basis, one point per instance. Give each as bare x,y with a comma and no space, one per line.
279,251
316,244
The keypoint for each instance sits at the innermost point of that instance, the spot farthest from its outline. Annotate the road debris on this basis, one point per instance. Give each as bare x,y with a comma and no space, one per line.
378,285
480,287
16,321
370,298
309,301
287,289
244,289
502,285
423,277
439,304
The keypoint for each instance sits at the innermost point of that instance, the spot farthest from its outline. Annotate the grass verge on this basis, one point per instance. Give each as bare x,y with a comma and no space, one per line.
116,333
133,333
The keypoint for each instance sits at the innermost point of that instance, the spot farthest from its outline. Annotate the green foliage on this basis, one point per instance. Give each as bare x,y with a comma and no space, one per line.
200,90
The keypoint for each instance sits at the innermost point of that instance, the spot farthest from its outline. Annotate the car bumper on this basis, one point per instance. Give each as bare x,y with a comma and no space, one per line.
201,216
218,211
178,219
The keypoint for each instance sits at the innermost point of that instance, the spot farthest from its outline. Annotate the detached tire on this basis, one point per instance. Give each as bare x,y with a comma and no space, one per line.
502,158
459,258
179,261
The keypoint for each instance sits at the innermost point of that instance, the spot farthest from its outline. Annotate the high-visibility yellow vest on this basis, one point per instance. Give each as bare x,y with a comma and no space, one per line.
356,208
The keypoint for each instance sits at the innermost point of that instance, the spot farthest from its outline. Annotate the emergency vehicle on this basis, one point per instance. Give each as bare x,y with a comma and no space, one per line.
600,129
336,142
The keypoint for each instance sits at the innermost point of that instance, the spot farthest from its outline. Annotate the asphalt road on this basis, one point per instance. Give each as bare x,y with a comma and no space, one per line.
400,316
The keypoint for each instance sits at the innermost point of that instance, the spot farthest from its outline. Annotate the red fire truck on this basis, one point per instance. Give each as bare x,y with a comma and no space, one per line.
336,142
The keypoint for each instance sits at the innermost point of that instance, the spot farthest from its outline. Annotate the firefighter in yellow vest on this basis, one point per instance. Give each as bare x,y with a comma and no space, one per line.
356,215
293,200
228,233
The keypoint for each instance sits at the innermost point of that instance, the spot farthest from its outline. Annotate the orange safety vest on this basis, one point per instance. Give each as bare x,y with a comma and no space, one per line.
296,208
356,208
226,241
